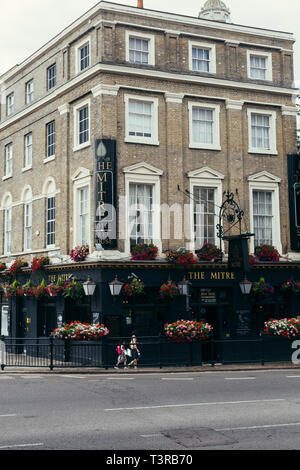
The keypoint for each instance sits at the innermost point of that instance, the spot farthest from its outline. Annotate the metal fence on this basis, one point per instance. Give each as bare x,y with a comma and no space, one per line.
155,352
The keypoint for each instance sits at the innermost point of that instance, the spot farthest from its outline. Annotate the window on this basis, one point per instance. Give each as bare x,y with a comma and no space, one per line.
204,216
51,76
10,104
202,57
28,150
262,217
82,125
141,120
204,126
84,57
8,159
29,92
262,131
140,213
140,49
7,230
50,221
84,216
259,65
50,137
27,226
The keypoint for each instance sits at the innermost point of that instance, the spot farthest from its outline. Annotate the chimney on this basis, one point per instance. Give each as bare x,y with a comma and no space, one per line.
140,4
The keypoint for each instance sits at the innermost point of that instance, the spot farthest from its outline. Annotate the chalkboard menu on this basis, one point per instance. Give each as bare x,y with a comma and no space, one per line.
105,194
243,323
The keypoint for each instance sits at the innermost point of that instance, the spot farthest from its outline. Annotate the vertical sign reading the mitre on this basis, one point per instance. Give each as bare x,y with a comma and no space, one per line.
105,194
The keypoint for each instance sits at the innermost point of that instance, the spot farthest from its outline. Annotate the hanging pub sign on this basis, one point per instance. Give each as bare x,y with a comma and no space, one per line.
105,194
238,255
294,200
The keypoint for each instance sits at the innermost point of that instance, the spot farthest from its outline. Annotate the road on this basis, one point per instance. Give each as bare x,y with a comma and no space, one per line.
160,411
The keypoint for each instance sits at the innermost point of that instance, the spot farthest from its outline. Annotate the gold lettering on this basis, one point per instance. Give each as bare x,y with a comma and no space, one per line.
102,178
191,275
232,276
227,276
213,276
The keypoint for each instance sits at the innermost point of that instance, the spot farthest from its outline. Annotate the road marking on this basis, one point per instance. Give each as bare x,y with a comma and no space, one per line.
259,427
196,404
239,378
22,445
120,378
150,435
177,378
7,416
293,376
5,377
73,376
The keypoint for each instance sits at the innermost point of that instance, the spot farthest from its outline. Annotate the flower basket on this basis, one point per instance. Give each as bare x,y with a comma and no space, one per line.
144,251
56,289
188,330
73,290
28,289
41,290
267,253
13,290
134,287
285,328
16,266
262,288
39,263
2,266
252,260
168,290
181,257
208,252
79,253
80,331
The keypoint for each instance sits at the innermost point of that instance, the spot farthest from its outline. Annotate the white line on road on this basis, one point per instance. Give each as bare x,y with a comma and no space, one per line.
259,427
177,378
120,378
22,445
242,402
293,376
150,435
240,378
7,416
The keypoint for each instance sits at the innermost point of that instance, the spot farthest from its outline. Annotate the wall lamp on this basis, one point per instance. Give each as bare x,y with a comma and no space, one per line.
245,286
115,287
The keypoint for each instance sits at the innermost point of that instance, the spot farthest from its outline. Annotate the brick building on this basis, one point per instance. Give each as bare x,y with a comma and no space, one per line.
188,107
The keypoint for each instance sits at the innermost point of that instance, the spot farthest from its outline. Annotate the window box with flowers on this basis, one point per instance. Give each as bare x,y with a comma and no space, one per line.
73,290
182,257
133,288
38,263
208,252
286,328
28,289
267,253
41,291
261,288
144,251
17,265
79,253
290,287
168,290
188,330
13,290
80,331
56,289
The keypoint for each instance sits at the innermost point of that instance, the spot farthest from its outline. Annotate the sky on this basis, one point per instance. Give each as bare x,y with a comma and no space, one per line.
28,24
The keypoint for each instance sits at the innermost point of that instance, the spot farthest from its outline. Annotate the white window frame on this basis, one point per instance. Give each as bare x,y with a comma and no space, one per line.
212,55
8,160
138,35
52,156
77,108
29,91
269,66
49,79
205,178
10,104
48,220
81,179
78,48
272,187
7,230
28,151
273,140
216,145
27,226
153,140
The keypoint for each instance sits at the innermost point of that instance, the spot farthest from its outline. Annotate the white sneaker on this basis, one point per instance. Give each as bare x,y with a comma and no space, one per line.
116,367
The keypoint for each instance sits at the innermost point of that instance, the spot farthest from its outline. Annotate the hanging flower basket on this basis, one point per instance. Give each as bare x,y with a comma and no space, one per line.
144,251
80,331
28,289
262,288
208,252
79,253
16,266
73,290
252,260
2,266
41,290
13,290
134,287
286,327
188,330
267,253
56,289
168,290
39,263
181,257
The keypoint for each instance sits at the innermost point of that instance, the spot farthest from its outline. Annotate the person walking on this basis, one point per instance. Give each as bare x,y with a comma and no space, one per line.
135,352
121,351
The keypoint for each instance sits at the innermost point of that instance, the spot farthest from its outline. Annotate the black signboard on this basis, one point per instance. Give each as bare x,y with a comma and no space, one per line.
294,200
238,254
105,194
244,323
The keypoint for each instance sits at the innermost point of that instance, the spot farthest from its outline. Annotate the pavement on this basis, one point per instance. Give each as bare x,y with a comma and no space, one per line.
152,370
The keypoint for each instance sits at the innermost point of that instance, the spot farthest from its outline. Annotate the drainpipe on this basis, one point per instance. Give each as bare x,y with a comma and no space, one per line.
140,4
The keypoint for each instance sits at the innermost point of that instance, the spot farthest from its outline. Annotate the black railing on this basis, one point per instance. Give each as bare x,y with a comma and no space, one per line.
155,352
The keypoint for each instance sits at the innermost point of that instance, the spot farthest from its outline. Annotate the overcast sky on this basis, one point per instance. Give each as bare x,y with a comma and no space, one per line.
28,24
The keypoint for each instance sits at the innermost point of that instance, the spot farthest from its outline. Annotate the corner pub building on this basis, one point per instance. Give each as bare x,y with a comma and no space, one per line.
112,131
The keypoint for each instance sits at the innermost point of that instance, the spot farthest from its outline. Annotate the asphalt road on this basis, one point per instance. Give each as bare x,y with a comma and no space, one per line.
121,411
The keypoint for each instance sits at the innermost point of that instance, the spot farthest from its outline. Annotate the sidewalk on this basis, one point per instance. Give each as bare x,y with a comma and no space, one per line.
205,368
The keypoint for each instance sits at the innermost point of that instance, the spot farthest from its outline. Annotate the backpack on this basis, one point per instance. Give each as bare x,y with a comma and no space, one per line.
118,349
